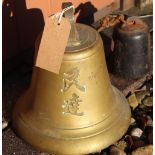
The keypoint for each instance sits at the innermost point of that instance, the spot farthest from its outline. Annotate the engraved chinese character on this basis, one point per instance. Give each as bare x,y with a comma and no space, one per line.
71,78
71,106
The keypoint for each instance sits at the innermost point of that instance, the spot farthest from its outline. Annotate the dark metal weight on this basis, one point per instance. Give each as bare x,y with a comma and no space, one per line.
132,49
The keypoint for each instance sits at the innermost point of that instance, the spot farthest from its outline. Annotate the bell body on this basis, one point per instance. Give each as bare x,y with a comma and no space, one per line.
132,50
77,111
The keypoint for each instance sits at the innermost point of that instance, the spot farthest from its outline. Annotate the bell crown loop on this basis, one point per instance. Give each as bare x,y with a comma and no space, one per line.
81,36
74,36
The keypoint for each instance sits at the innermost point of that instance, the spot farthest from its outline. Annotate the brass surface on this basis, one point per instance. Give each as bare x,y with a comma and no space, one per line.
77,111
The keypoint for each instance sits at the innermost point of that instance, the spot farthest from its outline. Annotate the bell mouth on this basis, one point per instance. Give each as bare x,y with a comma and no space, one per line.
90,139
87,38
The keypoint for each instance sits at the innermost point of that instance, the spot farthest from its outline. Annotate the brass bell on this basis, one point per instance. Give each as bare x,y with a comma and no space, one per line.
77,111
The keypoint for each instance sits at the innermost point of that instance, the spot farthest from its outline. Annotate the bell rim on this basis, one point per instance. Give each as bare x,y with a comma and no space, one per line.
96,141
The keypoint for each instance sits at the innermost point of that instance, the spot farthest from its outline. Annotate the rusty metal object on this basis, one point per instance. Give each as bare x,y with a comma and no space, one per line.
126,85
109,21
131,56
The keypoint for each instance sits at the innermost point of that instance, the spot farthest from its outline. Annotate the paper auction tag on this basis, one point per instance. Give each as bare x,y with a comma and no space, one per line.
53,43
